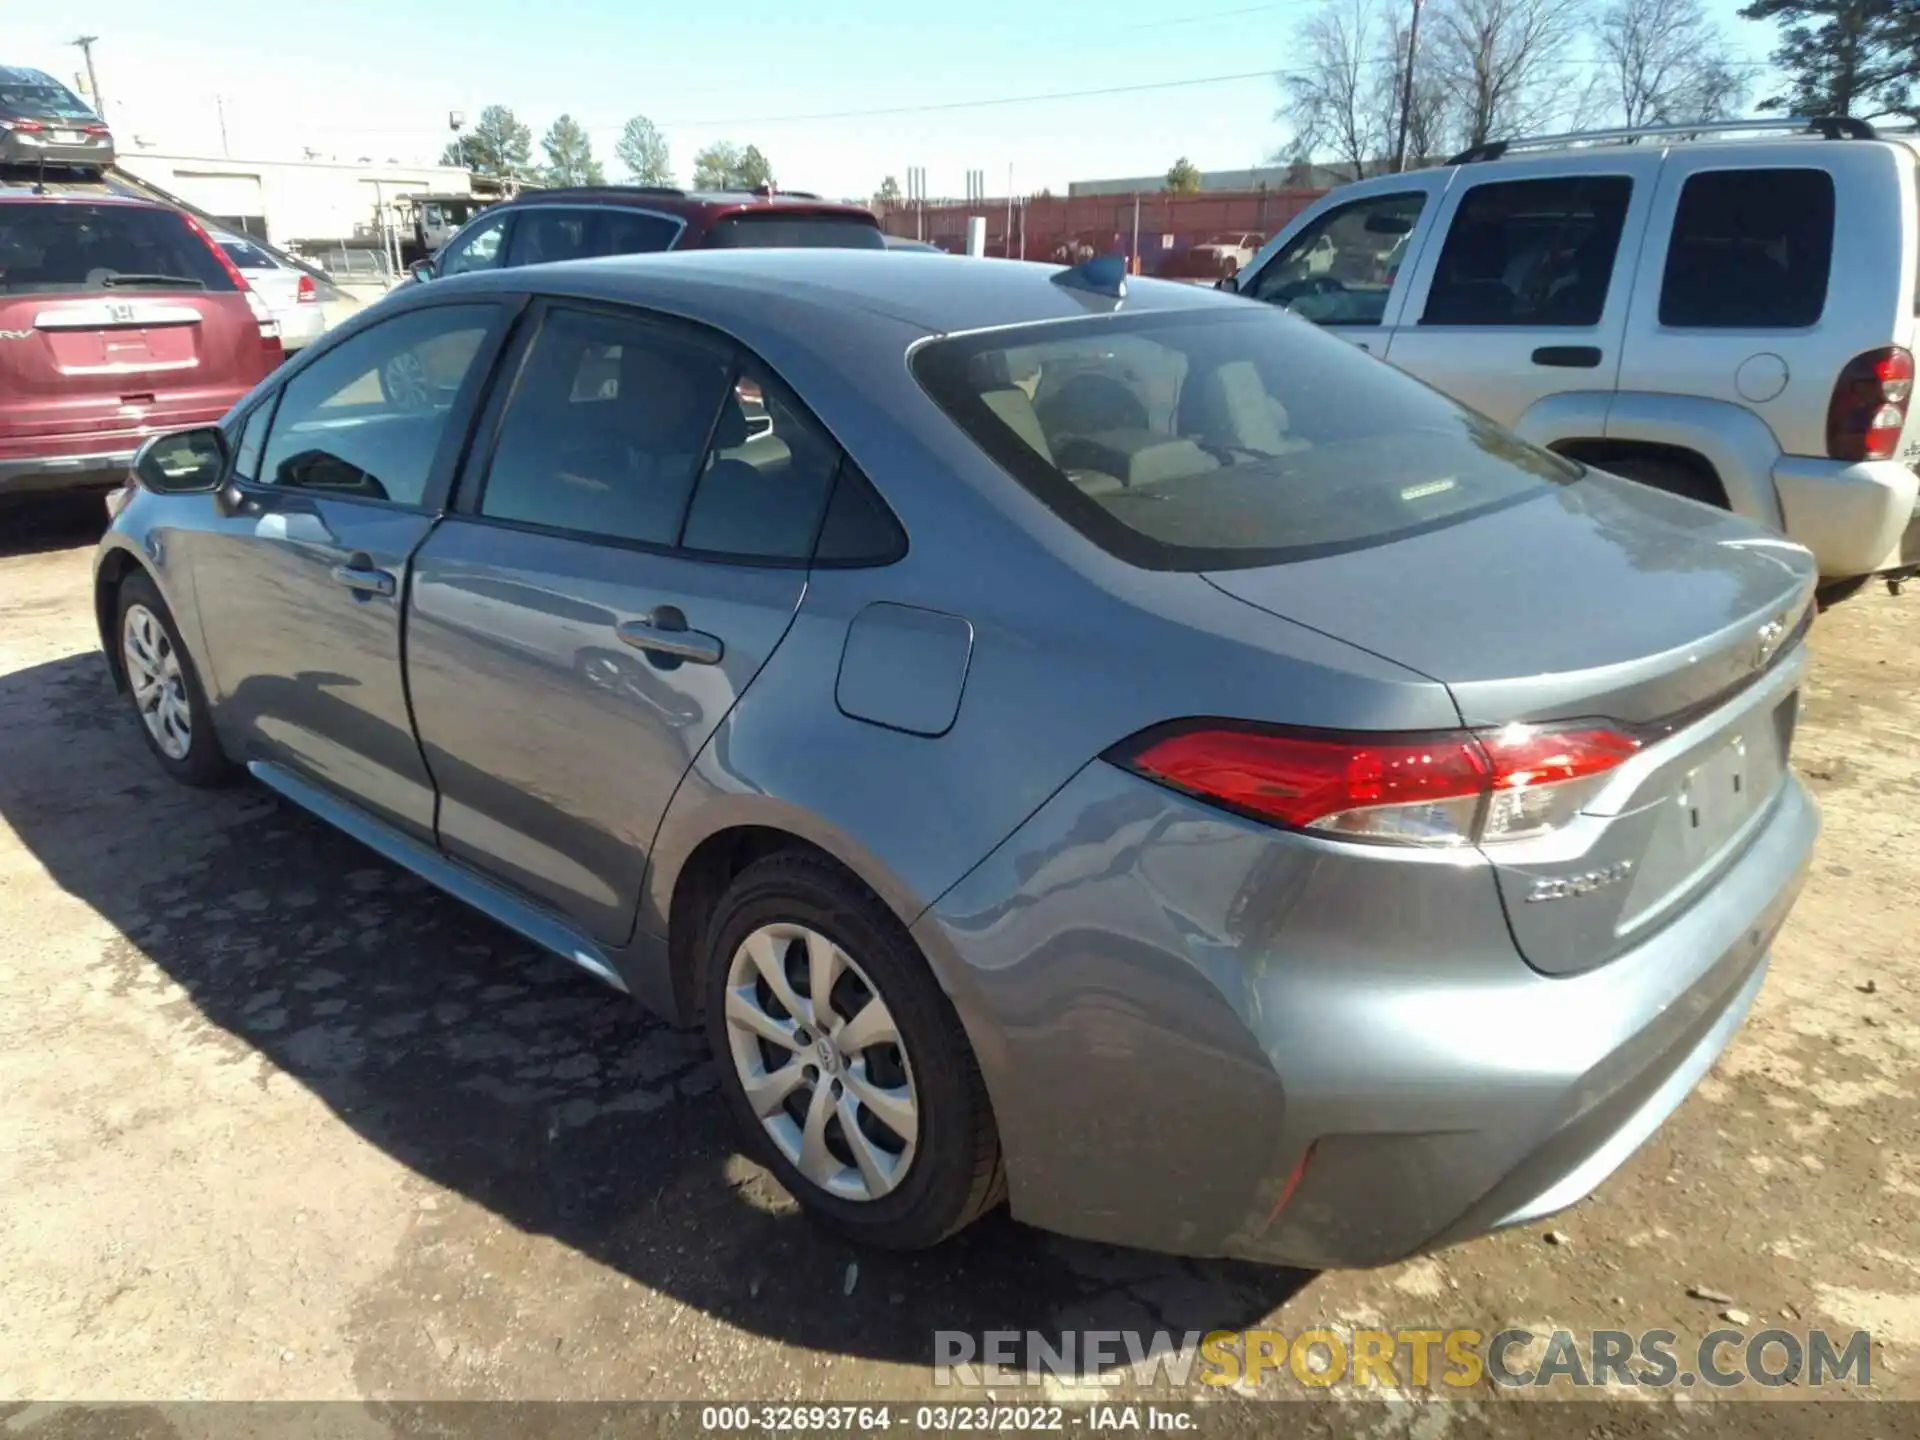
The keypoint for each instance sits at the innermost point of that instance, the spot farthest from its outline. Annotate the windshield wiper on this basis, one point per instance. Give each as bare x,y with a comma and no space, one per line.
189,281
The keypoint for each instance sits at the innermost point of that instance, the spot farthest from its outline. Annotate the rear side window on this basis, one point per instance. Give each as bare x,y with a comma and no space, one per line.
547,235
1530,252
62,248
610,419
1224,437
1751,249
633,232
770,229
766,480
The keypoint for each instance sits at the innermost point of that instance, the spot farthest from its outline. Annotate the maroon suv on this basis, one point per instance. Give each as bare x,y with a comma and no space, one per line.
118,319
574,224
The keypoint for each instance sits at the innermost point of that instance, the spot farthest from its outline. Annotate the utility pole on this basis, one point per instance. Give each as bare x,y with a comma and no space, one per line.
220,109
1406,93
85,42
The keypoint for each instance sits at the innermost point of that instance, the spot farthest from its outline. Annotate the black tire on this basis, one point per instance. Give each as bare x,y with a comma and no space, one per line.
1682,480
955,1174
1832,592
203,764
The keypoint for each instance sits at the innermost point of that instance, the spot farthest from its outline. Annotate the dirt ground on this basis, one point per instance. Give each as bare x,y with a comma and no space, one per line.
278,1121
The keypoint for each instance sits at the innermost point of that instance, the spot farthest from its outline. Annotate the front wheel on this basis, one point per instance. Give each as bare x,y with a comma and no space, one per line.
165,688
843,1060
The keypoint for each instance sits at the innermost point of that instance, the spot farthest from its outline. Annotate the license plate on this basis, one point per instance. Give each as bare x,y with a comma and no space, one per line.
1721,792
66,137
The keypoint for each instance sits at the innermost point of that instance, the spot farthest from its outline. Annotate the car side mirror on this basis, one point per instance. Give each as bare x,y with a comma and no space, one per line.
421,270
185,462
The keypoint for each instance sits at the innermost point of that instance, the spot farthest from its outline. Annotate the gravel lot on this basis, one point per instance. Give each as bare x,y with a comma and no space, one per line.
280,1122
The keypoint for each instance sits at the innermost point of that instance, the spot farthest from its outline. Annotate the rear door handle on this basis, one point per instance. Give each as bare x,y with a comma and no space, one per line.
665,633
1568,357
360,573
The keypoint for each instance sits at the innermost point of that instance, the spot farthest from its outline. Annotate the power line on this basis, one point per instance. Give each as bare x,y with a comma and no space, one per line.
1243,75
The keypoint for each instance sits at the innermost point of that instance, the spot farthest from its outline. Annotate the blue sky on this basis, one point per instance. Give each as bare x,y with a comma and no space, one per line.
373,78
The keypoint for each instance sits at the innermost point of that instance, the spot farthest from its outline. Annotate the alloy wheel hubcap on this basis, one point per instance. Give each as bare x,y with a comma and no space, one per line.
821,1061
159,688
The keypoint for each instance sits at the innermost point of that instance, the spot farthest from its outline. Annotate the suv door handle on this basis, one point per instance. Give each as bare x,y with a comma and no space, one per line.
1568,357
665,633
359,573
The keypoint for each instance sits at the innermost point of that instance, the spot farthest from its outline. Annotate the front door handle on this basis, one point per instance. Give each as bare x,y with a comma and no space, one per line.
664,633
360,574
1568,357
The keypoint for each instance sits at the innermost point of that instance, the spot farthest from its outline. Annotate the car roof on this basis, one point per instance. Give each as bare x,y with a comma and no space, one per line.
25,194
689,202
957,294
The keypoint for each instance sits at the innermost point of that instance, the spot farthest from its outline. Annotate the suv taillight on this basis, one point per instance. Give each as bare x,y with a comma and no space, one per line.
1869,406
269,327
1456,788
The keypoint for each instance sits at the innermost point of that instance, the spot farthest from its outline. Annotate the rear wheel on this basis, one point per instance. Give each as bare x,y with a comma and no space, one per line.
165,688
843,1060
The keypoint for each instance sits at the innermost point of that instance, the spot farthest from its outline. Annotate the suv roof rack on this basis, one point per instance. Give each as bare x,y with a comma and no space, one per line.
1830,127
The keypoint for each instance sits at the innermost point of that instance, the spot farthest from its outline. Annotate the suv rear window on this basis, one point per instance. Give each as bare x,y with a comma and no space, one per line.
1751,249
770,230
1221,438
61,247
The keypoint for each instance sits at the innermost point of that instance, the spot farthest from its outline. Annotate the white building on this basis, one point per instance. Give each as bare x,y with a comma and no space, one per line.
294,200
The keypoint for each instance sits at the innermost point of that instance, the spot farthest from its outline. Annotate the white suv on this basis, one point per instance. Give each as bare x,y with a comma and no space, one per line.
1732,318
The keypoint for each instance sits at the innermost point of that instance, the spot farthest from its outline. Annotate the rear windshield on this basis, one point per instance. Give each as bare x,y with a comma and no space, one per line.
248,257
1225,437
42,102
766,231
62,247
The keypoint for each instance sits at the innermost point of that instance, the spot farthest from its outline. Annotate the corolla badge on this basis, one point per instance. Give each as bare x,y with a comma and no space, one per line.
1567,886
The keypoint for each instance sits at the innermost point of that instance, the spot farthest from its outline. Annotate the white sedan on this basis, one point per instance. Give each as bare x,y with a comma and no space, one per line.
290,293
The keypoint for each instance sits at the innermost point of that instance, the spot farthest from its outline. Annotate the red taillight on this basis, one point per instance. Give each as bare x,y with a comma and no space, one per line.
1458,788
31,127
98,130
308,292
1869,406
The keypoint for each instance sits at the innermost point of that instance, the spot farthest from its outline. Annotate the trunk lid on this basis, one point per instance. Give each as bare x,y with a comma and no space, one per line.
1599,600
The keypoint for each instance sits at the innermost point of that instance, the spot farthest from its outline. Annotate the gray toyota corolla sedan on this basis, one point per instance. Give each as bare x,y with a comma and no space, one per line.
1104,745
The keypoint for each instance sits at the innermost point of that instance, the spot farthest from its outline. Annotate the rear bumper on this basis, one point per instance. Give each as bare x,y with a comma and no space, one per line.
28,149
300,326
1173,1007
49,474
1851,516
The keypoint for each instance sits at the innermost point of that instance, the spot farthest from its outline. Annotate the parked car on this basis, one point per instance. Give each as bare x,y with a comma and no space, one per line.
1231,800
1220,255
289,292
542,226
43,122
118,318
1671,309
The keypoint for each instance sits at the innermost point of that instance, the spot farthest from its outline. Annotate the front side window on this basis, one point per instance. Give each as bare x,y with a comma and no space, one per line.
544,236
1341,268
1530,252
474,249
1751,249
1224,438
609,423
366,419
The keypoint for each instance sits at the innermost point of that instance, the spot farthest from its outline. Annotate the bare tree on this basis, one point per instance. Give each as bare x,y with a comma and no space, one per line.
1506,63
1667,63
1430,117
1332,96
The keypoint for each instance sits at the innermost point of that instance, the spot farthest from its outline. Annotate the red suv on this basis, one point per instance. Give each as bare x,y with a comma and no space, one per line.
118,319
538,226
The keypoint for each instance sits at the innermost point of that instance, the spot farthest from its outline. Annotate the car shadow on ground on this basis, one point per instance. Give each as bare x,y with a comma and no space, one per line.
505,1075
32,524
